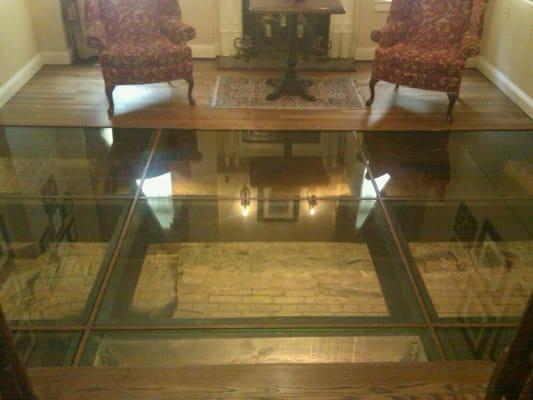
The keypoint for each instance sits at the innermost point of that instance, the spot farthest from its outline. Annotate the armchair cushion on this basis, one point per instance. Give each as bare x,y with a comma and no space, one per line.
176,30
150,52
436,60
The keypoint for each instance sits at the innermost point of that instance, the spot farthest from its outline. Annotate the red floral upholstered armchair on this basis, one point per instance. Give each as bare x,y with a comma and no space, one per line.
425,45
140,41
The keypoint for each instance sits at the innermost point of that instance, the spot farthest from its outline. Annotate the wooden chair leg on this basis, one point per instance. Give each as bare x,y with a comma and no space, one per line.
109,93
192,101
453,99
372,91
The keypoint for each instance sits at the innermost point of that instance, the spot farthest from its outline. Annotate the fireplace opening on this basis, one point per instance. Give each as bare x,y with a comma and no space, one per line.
266,35
263,44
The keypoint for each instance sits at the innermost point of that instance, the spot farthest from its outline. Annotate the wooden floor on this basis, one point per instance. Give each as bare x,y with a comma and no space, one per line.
74,96
452,380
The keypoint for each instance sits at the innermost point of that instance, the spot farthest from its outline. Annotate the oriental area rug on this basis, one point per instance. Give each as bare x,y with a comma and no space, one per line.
251,92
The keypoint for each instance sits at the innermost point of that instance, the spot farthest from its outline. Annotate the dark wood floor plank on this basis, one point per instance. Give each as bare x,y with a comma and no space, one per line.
74,96
450,380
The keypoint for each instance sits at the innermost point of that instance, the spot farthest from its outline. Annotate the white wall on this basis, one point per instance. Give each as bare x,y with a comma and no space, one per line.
31,34
202,14
19,55
17,40
50,32
370,15
507,50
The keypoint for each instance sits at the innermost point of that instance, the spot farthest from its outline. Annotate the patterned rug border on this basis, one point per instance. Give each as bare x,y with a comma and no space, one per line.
213,102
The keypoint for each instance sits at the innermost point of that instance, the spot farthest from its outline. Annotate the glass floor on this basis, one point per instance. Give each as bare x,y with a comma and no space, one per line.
139,247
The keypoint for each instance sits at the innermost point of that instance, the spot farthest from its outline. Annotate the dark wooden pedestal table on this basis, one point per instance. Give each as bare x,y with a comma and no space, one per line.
290,83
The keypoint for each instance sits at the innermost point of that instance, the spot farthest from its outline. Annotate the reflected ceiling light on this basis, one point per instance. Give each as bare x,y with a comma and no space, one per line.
312,202
107,135
158,186
245,201
382,181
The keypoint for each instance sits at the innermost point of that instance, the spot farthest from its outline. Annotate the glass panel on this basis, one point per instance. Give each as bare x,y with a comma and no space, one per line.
474,259
72,161
523,212
47,349
271,164
475,343
506,158
187,261
171,349
52,253
425,165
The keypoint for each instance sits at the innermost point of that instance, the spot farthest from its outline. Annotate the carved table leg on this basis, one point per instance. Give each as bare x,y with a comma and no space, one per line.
290,83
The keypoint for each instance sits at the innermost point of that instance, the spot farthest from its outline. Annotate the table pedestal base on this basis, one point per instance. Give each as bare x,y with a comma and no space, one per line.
290,86
289,83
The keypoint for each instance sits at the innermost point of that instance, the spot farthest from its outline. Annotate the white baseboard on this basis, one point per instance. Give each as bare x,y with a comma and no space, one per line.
382,5
203,51
63,57
23,75
506,85
17,81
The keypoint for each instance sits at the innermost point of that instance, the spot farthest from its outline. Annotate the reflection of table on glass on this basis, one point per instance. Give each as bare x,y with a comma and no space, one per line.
289,83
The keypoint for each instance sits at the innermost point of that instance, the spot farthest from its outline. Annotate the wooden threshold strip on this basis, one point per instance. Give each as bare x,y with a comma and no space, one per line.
446,380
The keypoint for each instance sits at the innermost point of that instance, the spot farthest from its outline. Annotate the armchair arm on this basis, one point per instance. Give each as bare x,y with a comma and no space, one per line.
392,33
96,32
176,30
96,35
470,44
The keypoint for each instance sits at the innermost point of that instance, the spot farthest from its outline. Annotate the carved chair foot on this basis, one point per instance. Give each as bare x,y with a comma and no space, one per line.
372,85
109,93
192,101
452,100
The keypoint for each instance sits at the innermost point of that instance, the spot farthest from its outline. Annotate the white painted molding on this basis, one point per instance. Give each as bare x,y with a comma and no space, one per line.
203,50
17,81
506,85
382,5
229,25
364,53
64,57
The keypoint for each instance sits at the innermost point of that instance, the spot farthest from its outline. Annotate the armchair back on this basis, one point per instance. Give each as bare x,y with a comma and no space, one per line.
129,19
437,22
